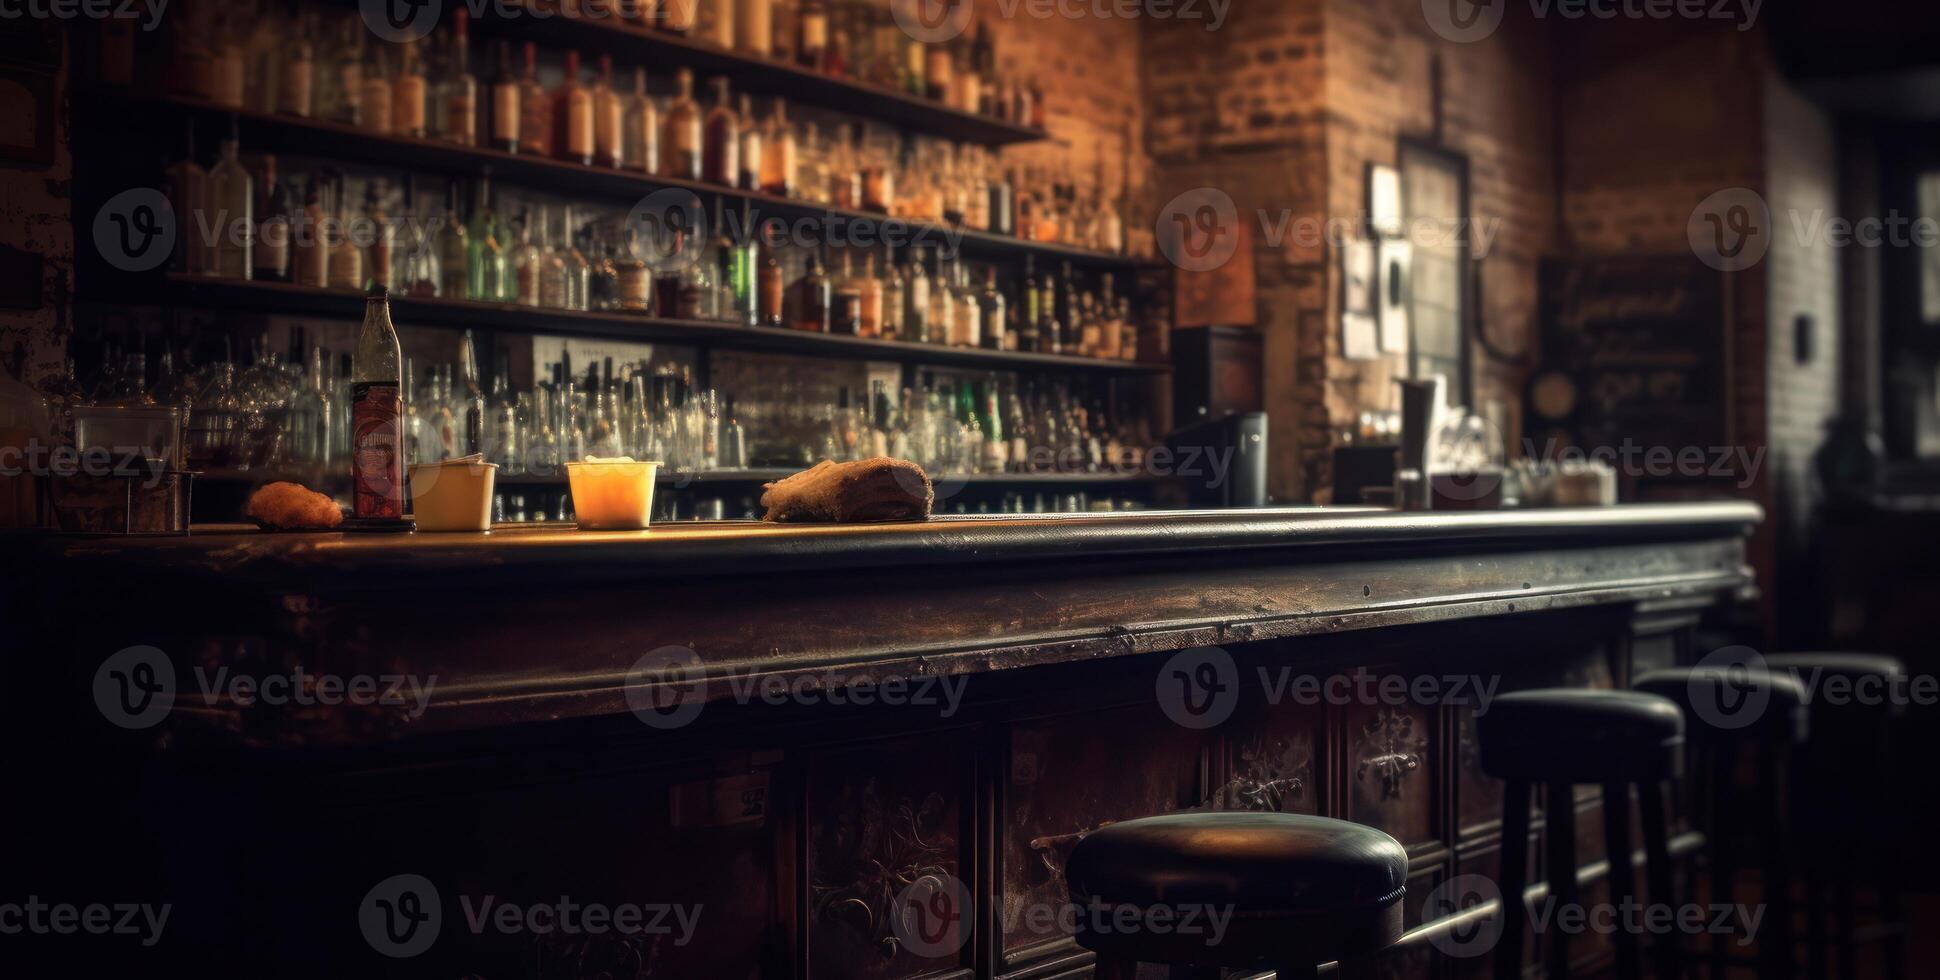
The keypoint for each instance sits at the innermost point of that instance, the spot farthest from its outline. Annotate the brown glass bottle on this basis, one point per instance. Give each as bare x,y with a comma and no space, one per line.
812,298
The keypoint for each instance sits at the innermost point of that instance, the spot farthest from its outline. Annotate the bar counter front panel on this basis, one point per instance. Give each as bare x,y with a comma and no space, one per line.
1033,652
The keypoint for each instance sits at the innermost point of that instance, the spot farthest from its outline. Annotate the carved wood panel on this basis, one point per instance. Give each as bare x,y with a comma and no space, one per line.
1390,770
1066,776
887,829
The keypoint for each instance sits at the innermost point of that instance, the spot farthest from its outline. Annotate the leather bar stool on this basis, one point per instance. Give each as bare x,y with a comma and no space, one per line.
1559,738
1300,891
1729,712
1849,814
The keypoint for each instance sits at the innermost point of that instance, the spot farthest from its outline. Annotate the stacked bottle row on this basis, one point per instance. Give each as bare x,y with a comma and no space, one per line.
314,60
542,253
426,89
292,413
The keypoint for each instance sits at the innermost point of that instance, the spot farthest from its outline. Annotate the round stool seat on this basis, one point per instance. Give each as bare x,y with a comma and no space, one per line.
1264,887
1730,702
1844,683
1581,736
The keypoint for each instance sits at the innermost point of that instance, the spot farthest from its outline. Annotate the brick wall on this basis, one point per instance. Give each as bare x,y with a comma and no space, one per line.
35,206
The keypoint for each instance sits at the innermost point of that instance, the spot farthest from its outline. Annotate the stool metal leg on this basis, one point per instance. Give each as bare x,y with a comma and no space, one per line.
1514,861
1623,879
1657,869
1775,881
1562,876
1716,769
1816,960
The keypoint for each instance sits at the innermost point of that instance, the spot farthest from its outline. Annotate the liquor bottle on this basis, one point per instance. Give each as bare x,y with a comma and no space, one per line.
678,16
187,189
310,260
754,26
296,88
642,128
995,322
231,202
579,270
1002,209
969,322
526,264
870,299
915,56
271,259
778,155
681,146
377,403
1066,305
721,158
939,72
609,119
845,176
346,258
943,305
733,454
916,301
769,288
752,150
680,291
489,275
411,93
632,282
506,112
812,298
453,253
471,396
878,181
377,256
375,99
458,93
845,309
417,258
1030,320
572,113
812,50
893,289
714,23
983,63
742,275
535,108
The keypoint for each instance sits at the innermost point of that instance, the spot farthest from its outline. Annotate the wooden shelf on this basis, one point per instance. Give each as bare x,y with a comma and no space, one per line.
407,311
546,24
277,133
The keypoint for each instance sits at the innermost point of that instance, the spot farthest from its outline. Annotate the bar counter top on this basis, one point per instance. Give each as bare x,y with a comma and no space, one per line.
533,624
248,557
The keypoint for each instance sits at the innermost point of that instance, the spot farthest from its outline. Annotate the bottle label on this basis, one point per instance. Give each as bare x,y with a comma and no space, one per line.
376,459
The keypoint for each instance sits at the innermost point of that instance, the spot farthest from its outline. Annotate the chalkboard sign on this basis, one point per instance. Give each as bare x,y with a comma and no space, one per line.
1634,354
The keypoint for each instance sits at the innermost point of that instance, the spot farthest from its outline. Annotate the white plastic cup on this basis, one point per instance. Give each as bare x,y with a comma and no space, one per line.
455,495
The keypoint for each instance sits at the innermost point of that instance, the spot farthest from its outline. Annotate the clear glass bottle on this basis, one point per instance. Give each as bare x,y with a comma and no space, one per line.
720,160
642,125
377,391
527,263
232,224
609,119
751,154
778,158
681,146
555,282
454,253
574,135
457,100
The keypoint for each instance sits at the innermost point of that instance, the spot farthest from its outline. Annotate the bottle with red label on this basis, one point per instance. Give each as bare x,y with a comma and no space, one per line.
377,416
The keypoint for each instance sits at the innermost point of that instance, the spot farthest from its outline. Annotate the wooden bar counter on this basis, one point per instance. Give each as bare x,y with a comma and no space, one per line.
782,729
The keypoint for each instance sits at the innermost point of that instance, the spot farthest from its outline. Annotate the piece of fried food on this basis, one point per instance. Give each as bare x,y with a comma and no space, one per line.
291,506
866,490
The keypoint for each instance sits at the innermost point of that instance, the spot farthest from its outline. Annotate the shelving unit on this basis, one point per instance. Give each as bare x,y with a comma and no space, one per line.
408,311
274,132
